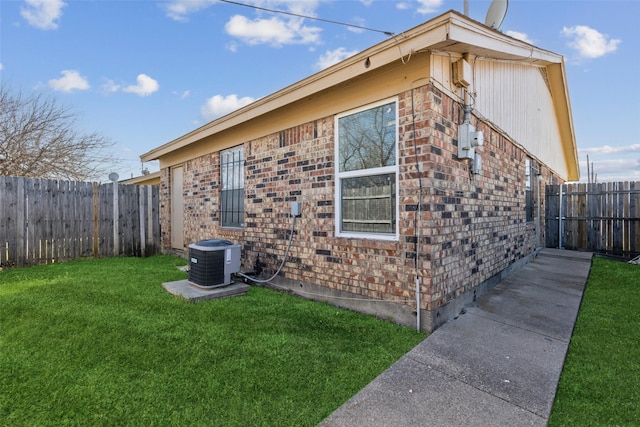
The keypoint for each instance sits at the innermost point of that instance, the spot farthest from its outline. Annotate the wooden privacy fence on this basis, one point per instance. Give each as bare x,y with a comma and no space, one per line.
603,218
44,221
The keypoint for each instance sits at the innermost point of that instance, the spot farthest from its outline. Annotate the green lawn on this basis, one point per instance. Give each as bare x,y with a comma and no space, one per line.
600,381
99,342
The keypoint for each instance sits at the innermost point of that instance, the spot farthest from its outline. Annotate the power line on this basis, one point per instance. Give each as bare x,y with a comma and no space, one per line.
388,33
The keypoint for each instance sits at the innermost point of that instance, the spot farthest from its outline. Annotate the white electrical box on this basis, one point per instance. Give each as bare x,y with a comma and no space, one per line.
296,209
465,145
462,73
477,138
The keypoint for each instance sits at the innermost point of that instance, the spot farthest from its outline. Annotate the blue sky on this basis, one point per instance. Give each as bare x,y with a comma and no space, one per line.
143,73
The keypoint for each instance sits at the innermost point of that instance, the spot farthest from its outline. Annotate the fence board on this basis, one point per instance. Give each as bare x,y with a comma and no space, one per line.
602,218
4,212
551,207
44,221
9,207
106,220
634,212
12,221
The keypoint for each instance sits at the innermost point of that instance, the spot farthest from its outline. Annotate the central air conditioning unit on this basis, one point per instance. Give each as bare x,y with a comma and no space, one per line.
212,262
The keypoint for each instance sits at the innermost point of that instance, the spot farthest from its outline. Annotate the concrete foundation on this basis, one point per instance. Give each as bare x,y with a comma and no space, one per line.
402,310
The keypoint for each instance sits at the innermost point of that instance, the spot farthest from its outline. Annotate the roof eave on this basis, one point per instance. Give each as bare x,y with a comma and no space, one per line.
562,105
450,31
379,55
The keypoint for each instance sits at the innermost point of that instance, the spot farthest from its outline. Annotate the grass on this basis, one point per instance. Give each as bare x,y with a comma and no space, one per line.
600,381
99,342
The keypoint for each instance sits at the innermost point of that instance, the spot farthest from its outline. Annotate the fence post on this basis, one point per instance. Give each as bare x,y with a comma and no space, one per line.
96,219
150,217
116,220
21,225
141,190
560,220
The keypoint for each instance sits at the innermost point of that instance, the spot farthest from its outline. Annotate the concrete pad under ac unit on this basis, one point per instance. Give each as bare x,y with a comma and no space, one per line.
191,293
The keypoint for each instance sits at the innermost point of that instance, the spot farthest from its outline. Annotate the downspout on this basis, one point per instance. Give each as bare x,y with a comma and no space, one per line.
467,98
538,180
467,106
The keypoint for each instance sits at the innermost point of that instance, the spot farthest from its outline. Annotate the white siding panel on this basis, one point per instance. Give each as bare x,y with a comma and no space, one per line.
515,98
441,74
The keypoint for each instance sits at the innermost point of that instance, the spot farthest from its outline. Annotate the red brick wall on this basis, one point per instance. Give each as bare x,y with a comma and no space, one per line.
476,223
471,226
165,208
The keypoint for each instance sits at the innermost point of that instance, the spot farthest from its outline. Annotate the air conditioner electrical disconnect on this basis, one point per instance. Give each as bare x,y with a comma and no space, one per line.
461,73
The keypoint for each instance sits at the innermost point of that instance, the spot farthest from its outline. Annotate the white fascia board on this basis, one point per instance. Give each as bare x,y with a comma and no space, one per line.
450,31
393,49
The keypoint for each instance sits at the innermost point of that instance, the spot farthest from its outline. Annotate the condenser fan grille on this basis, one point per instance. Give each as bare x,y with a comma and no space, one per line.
207,268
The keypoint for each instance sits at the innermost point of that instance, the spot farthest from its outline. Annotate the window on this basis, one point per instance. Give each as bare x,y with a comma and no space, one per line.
366,174
528,190
232,194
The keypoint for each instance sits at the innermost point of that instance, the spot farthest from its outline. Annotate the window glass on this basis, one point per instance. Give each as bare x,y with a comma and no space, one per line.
528,192
232,184
367,172
369,204
368,138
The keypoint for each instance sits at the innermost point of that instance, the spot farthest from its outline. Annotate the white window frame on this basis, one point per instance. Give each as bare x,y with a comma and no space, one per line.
339,176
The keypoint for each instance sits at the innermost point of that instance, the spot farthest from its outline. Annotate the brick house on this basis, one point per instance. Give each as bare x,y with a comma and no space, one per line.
400,207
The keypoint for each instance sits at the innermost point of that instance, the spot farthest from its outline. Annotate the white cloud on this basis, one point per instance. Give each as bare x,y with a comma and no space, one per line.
218,105
589,42
1,66
429,6
71,80
178,10
145,86
614,166
43,14
332,57
307,7
110,86
612,170
520,36
359,22
184,95
366,2
611,163
273,31
607,149
232,47
402,5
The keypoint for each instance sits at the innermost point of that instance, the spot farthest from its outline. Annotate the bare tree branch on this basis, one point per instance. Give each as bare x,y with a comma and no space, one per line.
39,139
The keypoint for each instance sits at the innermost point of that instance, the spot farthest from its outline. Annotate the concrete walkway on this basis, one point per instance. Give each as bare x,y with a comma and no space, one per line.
496,365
